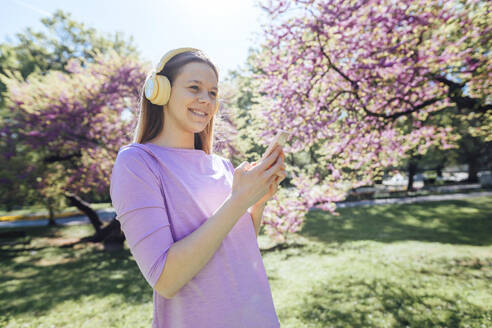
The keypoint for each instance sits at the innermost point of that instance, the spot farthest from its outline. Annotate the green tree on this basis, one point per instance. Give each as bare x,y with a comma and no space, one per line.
37,51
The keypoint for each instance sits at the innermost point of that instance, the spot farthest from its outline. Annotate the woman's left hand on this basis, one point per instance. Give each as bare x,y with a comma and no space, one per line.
273,186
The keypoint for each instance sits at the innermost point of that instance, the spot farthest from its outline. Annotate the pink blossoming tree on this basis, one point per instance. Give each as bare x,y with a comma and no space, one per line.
359,82
73,124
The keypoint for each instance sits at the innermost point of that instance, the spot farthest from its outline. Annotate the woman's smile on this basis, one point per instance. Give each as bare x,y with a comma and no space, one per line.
198,113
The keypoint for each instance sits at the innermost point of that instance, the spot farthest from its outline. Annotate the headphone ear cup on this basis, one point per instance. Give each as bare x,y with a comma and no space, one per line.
150,88
163,91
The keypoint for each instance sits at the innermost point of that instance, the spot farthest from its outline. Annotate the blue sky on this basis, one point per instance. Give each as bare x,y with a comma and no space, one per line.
223,29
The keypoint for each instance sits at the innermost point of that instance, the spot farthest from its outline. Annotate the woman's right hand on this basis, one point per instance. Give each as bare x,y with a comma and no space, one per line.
251,183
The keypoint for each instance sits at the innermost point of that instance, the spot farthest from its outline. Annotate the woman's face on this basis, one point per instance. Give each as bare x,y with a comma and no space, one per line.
195,87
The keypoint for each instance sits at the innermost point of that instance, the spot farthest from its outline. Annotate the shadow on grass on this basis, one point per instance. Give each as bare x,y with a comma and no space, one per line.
35,283
88,271
370,303
461,269
455,222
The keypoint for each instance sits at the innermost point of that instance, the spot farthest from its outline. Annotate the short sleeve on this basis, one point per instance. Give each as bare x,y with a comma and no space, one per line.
140,208
230,166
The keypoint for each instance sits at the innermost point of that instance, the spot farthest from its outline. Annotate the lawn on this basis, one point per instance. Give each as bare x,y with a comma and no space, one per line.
414,265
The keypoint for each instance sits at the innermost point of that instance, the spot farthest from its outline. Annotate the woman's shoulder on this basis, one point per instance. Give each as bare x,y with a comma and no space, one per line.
130,151
134,153
134,158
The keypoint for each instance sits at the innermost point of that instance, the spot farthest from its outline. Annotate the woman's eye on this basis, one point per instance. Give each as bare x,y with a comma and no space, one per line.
195,87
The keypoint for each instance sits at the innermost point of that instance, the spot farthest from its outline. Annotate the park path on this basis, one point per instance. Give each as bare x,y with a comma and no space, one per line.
107,214
416,199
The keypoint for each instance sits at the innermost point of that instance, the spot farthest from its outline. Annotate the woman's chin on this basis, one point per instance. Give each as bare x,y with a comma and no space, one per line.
197,128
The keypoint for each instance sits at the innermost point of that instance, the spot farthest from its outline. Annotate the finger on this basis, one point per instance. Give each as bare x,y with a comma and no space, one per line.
277,147
268,152
281,148
242,167
280,179
267,163
275,185
271,180
274,168
281,171
280,175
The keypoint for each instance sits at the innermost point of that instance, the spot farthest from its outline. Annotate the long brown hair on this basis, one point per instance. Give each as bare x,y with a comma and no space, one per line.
151,117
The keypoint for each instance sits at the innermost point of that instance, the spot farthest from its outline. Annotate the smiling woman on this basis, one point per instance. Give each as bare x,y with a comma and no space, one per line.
185,79
186,212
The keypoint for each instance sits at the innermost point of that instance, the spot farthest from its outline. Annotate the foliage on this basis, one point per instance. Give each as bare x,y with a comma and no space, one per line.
359,82
39,53
72,122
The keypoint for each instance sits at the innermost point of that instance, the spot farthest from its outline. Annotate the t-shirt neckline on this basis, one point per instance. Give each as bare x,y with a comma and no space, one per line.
184,150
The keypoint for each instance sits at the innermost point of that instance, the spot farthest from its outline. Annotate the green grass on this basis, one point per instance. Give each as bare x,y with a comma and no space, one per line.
413,265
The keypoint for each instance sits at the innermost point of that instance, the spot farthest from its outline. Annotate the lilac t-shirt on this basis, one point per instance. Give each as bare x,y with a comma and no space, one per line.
161,195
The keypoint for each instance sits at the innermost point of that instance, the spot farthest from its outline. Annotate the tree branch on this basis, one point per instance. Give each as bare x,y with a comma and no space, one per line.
353,83
455,93
398,114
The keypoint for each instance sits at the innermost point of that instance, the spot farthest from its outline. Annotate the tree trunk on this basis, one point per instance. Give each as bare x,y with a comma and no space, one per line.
111,234
440,167
412,170
51,218
85,208
115,238
472,149
473,167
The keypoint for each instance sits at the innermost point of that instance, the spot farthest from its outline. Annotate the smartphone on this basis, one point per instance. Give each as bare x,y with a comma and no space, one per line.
280,139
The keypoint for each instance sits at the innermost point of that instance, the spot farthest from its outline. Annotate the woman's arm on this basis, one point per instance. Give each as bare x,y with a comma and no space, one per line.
257,214
187,257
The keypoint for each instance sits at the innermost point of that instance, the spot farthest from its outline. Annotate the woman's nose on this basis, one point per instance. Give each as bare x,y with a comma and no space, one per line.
205,98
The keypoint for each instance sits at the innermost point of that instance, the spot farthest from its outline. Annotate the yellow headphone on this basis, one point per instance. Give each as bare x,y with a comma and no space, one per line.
158,87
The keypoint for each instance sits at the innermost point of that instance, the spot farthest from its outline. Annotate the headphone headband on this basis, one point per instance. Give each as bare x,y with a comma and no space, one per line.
170,55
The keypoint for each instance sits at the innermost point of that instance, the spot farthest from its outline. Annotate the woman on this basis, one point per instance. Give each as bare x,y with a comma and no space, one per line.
190,218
